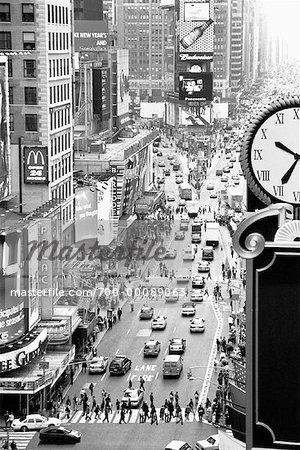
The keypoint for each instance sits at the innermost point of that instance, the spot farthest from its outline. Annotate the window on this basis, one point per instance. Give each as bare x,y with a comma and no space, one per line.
4,12
29,68
30,95
11,95
11,122
28,41
10,67
27,12
5,40
31,122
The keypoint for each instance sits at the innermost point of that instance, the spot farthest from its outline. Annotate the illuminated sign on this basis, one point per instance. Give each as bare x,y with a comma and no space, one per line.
4,130
21,357
36,165
90,35
195,86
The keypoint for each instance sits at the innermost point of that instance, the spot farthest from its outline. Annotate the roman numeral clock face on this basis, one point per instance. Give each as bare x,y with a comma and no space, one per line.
274,156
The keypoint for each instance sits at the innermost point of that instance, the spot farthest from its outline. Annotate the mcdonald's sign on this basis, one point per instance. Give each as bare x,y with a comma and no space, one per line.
36,165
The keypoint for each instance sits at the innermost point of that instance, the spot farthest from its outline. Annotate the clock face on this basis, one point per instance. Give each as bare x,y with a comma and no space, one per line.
273,160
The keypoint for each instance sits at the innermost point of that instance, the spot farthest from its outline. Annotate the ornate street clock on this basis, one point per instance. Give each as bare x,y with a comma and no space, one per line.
270,157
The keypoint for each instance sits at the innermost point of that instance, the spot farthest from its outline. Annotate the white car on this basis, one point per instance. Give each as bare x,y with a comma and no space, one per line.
34,422
179,180
159,323
203,266
179,235
161,164
185,218
98,365
198,282
171,197
172,296
183,275
188,309
210,187
211,443
224,178
197,325
136,397
196,295
182,202
178,445
170,254
213,195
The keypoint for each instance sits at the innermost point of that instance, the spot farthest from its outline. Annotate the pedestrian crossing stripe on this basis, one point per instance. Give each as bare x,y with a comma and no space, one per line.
21,439
133,417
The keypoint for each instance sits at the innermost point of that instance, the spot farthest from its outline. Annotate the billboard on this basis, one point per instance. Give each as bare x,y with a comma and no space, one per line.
195,86
220,110
33,277
196,31
122,84
4,130
105,212
188,119
85,214
101,92
35,165
90,35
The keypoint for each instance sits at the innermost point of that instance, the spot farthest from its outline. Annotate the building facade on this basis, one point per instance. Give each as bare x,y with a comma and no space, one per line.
222,35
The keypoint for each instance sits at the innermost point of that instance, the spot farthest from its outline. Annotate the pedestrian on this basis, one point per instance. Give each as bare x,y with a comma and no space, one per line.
129,384
176,397
118,405
106,416
75,403
153,415
171,409
72,376
171,397
97,411
142,383
6,418
218,344
200,412
91,388
230,293
179,415
94,403
196,395
129,407
151,398
122,416
187,412
191,405
68,401
119,312
162,412
209,274
84,366
232,251
68,411
87,413
146,409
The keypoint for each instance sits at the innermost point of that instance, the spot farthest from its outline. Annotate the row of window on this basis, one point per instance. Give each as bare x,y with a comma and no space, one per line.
67,214
59,67
60,118
60,143
58,41
30,95
6,41
59,93
60,169
58,14
27,10
63,191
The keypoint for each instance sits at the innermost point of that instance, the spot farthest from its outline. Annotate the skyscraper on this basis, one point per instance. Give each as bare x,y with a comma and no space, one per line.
222,35
236,61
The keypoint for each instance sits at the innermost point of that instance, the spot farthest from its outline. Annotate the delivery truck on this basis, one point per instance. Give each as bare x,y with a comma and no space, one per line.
212,235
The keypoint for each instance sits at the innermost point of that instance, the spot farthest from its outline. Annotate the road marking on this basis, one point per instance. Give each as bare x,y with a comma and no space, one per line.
103,376
117,351
166,351
141,351
137,314
129,376
128,331
174,329
156,376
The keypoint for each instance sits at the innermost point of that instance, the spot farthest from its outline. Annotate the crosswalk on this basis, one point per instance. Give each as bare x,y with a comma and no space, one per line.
134,417
21,439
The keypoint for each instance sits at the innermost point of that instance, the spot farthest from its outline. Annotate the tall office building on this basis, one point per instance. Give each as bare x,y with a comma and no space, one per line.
251,30
236,47
37,38
222,36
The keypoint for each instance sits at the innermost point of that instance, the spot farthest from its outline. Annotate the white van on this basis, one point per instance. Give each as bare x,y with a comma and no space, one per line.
189,253
172,366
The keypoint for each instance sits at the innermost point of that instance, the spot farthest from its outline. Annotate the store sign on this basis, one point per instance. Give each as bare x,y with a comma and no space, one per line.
35,165
22,357
199,56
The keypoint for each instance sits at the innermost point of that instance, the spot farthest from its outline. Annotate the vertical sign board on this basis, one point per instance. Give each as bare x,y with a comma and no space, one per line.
35,165
273,332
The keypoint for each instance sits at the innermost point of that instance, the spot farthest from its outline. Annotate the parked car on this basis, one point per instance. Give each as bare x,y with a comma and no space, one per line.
159,153
170,254
179,180
151,347
136,397
171,197
211,443
178,445
59,435
146,312
197,325
159,323
34,422
161,164
213,195
98,365
167,172
177,346
179,235
119,365
188,309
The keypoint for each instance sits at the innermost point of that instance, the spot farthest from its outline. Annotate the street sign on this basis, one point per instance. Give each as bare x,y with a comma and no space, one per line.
44,365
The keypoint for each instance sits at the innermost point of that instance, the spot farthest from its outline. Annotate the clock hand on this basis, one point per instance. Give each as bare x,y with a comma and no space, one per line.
289,172
283,147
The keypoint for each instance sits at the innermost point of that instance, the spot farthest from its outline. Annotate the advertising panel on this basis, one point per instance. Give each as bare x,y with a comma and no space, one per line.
196,31
188,119
33,278
122,84
195,86
90,35
220,110
105,212
101,92
85,214
35,165
4,130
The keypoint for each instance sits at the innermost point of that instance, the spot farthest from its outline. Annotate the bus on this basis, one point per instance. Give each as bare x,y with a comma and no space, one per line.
185,191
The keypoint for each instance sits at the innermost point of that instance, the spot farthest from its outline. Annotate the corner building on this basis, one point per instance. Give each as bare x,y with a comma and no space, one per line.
37,38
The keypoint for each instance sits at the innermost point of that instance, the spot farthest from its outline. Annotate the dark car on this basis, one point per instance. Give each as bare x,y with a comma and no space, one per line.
59,435
119,365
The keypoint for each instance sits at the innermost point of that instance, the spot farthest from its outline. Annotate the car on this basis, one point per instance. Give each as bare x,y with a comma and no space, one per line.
210,186
241,173
183,275
155,149
172,162
167,172
224,178
233,159
228,155
136,397
177,346
159,153
179,180
226,169
182,202
230,165
34,422
213,195
188,309
155,144
98,365
198,281
170,156
165,145
196,295
178,174
197,325
185,218
159,323
179,235
171,197
183,226
119,365
178,445
203,266
146,312
211,443
59,435
160,180
171,296
151,348
170,254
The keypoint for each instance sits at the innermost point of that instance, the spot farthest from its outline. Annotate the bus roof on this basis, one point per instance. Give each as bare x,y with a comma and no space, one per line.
185,185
